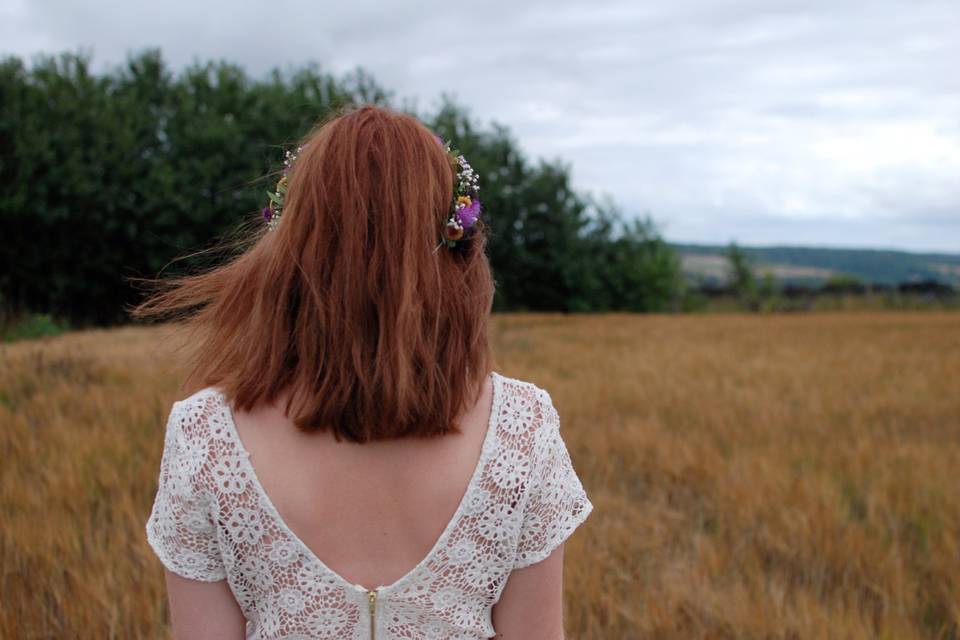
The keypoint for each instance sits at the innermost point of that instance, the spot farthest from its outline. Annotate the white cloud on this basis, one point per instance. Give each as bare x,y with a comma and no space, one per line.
831,123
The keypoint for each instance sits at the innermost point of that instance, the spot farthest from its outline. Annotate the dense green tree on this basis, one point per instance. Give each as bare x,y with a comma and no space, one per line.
552,248
111,176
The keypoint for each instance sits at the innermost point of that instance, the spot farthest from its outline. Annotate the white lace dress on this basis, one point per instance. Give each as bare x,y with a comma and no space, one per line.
212,520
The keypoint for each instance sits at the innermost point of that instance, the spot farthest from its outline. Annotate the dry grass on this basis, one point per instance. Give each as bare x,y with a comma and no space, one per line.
753,477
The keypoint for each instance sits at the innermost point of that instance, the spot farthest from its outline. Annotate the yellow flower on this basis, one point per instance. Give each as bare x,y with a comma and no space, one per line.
453,231
463,201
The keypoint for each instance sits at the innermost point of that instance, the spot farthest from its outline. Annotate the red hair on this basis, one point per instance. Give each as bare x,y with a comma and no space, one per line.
346,305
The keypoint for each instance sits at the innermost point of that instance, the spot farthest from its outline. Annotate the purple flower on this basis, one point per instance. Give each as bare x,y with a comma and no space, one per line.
267,213
469,214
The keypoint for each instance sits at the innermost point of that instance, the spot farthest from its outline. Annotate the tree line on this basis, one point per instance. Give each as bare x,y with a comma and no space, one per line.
112,175
741,289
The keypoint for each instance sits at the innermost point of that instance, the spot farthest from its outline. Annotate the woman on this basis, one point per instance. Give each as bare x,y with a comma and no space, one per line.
348,465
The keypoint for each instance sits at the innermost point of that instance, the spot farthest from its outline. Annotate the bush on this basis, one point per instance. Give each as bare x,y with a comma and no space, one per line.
32,326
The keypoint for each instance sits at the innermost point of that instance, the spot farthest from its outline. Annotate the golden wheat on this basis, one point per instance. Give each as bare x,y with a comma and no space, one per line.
777,476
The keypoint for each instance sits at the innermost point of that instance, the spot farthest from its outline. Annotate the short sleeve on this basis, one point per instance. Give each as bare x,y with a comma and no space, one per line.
181,528
556,503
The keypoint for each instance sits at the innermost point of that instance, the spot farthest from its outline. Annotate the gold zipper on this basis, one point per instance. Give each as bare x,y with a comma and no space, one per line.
372,596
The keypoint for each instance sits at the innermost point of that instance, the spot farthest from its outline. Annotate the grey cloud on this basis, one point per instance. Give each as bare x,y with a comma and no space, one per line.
834,122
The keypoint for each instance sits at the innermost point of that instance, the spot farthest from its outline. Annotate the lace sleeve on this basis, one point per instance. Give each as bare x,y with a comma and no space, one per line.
557,502
181,528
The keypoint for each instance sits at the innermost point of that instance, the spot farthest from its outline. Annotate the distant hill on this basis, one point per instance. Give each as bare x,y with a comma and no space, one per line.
813,265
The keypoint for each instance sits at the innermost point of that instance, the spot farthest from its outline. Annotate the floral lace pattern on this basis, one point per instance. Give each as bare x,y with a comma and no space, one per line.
212,520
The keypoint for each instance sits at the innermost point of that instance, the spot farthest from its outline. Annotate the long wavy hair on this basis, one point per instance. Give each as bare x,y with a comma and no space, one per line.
346,305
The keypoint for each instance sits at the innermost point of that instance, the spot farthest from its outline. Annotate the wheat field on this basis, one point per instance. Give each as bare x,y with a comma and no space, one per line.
772,476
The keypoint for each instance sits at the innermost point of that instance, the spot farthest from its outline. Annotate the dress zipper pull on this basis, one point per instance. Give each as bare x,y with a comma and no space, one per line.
372,596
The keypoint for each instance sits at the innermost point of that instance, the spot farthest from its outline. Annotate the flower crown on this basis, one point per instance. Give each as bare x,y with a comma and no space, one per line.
271,212
466,200
464,211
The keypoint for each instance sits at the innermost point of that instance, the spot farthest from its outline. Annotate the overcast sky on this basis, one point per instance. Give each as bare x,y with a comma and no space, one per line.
829,123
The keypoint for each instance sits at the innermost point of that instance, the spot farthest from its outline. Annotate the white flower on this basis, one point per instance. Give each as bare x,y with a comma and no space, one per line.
290,600
519,415
463,614
498,523
462,551
313,585
476,502
190,455
193,560
445,598
186,458
245,526
230,474
435,629
509,469
283,552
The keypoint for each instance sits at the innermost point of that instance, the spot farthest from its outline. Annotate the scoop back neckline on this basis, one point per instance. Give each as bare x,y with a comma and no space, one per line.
441,541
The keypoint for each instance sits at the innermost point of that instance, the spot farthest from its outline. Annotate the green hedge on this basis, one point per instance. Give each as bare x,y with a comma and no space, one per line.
105,176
